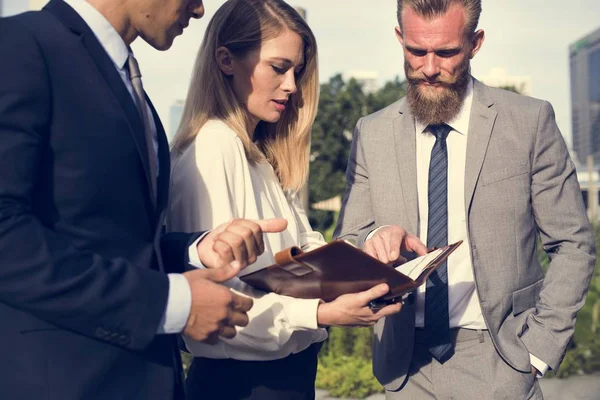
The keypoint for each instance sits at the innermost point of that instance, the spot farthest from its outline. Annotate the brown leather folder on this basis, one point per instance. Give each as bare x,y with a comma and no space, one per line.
335,269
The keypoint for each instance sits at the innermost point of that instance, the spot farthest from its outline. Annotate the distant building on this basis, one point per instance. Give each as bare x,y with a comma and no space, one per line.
368,79
332,204
589,181
301,11
35,5
175,114
584,58
498,77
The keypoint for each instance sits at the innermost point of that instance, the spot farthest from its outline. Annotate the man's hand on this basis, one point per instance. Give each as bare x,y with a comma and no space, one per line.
238,240
216,310
353,309
388,244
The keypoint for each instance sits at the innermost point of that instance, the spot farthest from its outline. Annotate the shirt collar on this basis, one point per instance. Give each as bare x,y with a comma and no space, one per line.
106,34
460,123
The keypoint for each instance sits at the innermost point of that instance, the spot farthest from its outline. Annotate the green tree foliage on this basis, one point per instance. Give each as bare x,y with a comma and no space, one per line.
341,105
583,355
345,367
513,88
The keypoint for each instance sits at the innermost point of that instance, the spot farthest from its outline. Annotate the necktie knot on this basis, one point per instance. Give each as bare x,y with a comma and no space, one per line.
133,66
440,131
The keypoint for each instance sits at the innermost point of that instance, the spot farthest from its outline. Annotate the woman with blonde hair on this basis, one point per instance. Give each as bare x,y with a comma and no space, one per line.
242,151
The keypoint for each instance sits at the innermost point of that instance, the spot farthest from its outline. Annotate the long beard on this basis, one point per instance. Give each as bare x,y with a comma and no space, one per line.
433,107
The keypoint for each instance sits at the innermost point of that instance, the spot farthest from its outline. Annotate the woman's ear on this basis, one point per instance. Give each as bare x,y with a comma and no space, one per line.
224,60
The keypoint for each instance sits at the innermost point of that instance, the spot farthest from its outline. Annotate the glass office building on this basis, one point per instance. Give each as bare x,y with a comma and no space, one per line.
585,96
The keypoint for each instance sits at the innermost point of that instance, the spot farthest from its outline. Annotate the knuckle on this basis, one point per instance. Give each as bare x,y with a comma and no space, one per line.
228,298
225,252
247,232
237,241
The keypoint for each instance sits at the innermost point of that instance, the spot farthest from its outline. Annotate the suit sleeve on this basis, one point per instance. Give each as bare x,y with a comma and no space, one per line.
175,248
356,218
41,272
568,239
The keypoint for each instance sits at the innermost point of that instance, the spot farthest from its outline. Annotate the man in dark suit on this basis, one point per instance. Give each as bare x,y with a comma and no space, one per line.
86,308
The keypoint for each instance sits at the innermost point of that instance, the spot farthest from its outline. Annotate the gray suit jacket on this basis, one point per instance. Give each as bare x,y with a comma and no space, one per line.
519,181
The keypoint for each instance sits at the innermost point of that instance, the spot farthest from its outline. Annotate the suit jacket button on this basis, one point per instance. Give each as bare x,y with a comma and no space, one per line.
101,332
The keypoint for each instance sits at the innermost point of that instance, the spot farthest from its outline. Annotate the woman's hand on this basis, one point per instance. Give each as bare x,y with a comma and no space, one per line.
353,309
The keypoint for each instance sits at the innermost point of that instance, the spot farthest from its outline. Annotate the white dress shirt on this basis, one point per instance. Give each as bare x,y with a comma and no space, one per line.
213,182
463,300
180,297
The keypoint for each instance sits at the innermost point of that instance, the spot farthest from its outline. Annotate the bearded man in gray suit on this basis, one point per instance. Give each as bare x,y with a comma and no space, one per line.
457,160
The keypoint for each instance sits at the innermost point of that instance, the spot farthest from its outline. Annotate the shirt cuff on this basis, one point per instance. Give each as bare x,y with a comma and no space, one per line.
541,366
179,304
302,313
374,231
193,252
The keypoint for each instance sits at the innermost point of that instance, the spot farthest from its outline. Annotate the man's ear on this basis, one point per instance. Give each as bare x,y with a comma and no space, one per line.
476,42
224,60
399,35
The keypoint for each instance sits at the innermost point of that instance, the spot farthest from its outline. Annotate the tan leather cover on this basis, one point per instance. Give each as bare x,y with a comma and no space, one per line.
335,269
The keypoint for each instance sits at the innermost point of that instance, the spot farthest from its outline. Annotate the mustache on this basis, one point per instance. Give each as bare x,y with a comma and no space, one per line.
416,78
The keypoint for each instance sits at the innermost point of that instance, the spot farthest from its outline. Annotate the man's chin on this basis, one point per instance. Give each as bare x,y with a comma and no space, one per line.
431,92
161,44
164,45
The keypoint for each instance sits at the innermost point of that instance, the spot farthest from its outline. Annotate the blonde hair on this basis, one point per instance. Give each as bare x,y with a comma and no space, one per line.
241,26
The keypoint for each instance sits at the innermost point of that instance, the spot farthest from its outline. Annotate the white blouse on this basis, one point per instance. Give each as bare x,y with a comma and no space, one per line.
212,182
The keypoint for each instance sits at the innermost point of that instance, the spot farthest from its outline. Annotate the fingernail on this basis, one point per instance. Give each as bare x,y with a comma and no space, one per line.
393,255
235,264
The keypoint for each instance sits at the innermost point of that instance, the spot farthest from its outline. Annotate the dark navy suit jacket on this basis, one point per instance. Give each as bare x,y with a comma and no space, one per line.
82,258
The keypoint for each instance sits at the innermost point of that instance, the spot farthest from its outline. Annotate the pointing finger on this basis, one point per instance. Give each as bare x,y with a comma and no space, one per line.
272,225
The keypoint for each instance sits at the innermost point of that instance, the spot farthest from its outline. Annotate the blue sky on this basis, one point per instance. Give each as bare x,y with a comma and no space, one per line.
524,37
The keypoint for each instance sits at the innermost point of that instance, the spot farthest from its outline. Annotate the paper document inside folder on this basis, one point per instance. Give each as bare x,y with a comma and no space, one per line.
414,268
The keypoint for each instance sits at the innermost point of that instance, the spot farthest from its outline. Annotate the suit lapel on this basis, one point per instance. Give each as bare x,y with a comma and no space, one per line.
406,157
106,68
162,186
480,130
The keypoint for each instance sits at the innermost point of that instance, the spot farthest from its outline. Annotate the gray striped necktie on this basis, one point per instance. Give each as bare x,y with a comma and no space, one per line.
136,80
437,321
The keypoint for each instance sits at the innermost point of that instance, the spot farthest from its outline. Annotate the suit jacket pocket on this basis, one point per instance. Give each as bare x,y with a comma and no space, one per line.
505,173
526,298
